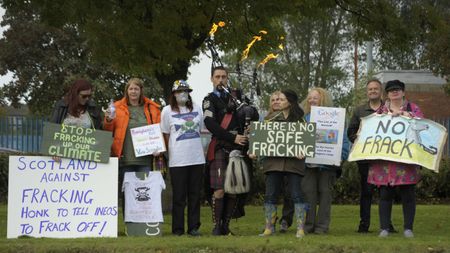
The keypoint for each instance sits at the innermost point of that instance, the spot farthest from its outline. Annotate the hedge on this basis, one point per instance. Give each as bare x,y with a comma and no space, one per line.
433,188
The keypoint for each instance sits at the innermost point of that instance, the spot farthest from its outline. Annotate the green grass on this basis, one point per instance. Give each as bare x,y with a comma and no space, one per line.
432,234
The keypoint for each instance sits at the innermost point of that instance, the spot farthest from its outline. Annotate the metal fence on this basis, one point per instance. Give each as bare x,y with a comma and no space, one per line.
22,133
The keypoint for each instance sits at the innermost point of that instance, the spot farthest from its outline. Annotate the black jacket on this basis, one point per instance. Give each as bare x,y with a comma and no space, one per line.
360,112
214,110
61,108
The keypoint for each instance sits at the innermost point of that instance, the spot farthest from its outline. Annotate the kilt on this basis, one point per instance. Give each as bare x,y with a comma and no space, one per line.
217,169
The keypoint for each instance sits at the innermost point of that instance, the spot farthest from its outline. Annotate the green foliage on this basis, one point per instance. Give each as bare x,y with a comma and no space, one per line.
46,60
433,188
357,95
312,54
108,41
4,161
410,34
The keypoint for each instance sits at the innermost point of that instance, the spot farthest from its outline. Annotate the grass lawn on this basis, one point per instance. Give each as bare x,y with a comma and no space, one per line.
432,234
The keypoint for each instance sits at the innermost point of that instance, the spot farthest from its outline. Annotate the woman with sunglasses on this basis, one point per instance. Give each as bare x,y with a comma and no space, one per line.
76,108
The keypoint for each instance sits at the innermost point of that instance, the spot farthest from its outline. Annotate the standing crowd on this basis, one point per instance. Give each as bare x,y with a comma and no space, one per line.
307,188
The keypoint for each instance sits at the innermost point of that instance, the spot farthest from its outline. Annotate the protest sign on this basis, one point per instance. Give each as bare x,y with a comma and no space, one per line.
73,198
282,139
330,124
147,140
76,142
400,139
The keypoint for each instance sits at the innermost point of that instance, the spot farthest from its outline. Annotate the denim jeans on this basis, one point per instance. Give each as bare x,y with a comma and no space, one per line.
274,186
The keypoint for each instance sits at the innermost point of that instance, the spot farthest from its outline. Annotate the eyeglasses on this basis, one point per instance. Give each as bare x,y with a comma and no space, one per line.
83,96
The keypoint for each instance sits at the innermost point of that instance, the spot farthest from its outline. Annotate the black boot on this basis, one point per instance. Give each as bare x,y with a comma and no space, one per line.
230,208
217,210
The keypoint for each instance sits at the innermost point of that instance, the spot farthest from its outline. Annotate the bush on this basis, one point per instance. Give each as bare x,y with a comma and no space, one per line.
433,188
347,187
4,167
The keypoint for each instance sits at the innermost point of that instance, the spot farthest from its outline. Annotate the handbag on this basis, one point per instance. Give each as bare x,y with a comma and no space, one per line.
237,179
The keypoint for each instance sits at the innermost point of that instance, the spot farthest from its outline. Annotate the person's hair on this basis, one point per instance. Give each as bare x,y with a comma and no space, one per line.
218,68
325,99
174,104
374,80
270,111
295,112
72,96
138,82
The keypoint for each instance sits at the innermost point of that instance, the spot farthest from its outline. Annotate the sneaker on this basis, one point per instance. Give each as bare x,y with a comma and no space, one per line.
384,233
194,232
284,226
408,233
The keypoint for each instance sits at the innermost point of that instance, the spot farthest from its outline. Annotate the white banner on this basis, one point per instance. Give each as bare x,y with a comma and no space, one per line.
147,140
330,126
74,198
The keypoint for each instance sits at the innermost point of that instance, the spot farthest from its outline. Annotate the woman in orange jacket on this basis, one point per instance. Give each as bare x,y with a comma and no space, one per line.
133,110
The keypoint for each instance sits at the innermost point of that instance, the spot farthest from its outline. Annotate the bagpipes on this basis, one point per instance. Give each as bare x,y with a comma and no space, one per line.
237,176
243,105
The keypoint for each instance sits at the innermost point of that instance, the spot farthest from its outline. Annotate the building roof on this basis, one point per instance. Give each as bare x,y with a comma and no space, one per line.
420,80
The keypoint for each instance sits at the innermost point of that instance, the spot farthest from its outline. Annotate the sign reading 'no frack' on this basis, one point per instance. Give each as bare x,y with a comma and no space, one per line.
76,142
282,139
400,139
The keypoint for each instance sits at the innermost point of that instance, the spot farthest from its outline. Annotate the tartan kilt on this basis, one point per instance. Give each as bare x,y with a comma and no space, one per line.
217,169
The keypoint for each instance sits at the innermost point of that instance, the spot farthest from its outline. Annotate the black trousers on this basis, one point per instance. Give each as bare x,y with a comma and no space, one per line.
365,199
408,195
186,183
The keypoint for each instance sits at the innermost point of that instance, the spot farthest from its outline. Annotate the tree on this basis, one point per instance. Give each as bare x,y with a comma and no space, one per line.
159,39
45,60
154,38
314,46
409,34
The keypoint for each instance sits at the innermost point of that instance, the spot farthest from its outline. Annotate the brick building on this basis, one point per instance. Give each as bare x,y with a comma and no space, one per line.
423,88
